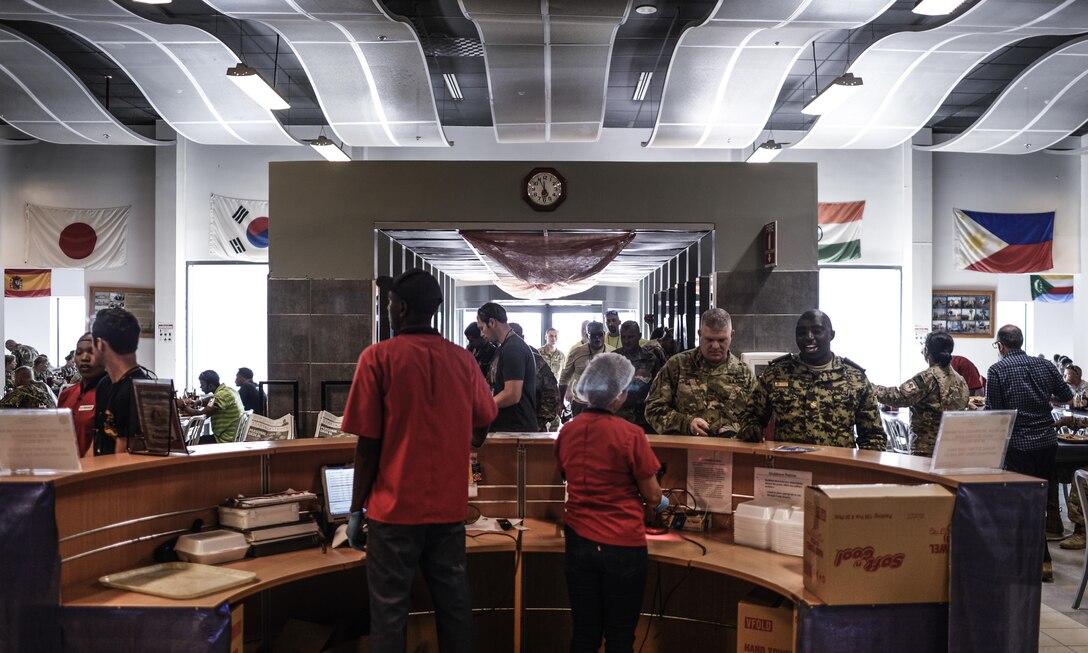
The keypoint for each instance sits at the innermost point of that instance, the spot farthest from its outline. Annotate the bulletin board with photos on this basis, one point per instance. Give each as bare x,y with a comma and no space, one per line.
138,301
963,313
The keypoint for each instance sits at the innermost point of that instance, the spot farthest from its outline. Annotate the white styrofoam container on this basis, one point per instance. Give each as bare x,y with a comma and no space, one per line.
247,518
212,547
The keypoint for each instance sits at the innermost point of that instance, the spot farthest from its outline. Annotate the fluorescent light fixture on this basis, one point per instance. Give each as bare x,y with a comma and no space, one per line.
452,86
765,153
838,92
153,2
936,7
646,10
642,86
250,81
328,149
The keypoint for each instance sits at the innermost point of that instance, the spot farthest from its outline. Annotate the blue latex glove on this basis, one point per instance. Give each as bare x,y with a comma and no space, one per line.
356,536
664,503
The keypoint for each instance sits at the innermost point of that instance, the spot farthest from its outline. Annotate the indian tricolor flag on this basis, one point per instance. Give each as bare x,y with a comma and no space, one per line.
1053,288
27,282
839,229
1010,243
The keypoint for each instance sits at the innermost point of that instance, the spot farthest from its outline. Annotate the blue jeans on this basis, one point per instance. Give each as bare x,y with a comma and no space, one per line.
392,553
605,584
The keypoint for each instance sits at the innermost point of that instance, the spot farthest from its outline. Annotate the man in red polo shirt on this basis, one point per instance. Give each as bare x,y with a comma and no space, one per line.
417,402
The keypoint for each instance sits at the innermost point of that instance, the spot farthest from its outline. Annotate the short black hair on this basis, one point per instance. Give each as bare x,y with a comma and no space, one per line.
491,311
211,376
119,328
245,373
1011,336
473,330
940,346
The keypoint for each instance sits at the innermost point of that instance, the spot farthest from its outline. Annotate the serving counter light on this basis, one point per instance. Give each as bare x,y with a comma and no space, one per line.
328,149
250,81
837,93
936,7
765,153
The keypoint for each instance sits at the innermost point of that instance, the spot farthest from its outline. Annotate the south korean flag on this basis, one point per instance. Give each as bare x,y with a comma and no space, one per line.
239,229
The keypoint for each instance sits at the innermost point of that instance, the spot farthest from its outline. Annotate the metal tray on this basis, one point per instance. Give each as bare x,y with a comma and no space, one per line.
178,580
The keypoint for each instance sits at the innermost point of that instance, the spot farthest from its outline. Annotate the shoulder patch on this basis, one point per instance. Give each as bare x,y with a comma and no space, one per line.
847,361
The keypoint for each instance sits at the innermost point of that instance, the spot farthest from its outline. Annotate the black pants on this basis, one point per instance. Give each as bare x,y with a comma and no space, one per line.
1038,463
605,584
392,553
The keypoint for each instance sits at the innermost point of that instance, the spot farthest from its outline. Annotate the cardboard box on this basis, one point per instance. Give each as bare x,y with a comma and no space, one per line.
764,629
877,543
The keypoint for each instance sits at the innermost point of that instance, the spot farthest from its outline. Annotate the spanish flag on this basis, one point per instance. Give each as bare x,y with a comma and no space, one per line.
27,282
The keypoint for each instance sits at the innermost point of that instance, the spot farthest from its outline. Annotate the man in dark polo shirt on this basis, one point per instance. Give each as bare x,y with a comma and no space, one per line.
513,372
116,334
417,403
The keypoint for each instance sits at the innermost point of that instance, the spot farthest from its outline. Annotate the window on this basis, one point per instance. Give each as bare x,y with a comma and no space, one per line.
864,304
227,320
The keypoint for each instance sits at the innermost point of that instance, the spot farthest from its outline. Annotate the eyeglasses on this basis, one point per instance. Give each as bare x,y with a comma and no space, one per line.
995,344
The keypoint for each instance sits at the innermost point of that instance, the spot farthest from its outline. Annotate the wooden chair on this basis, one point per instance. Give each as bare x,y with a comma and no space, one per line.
1080,479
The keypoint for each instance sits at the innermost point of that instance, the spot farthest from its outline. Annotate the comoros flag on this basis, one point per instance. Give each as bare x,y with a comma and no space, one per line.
1011,243
1053,288
239,228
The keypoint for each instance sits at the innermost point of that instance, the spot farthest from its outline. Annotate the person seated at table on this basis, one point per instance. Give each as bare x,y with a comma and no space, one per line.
249,391
928,393
223,406
607,464
27,392
1075,510
1074,381
79,397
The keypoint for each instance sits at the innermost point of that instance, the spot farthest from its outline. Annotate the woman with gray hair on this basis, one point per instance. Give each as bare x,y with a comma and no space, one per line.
607,464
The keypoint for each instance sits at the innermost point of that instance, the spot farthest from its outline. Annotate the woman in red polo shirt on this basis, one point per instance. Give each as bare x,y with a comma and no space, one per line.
607,463
79,398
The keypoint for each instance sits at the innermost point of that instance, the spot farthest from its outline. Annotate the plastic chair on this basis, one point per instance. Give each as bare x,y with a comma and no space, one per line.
1080,479
243,422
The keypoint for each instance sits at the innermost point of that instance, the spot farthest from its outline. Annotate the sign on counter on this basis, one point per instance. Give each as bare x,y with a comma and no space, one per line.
786,485
710,479
38,442
972,441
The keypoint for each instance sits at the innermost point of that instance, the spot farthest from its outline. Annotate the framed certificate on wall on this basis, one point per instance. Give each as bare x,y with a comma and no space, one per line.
138,301
963,313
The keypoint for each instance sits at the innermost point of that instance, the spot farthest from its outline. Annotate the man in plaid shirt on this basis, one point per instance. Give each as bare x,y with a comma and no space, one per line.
1028,385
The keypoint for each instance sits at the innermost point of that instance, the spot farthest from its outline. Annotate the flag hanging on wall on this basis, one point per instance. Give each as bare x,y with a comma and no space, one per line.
27,282
239,229
1053,288
91,239
1004,242
839,231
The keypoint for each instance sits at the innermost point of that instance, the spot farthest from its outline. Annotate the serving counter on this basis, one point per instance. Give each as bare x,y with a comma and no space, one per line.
61,534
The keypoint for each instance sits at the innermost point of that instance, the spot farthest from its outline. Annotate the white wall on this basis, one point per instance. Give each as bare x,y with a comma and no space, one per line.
1009,184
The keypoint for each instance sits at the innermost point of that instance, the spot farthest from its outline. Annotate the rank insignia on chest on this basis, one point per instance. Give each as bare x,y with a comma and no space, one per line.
781,384
910,386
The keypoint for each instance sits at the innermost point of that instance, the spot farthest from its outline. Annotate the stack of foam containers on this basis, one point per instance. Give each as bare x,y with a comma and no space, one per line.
788,531
752,522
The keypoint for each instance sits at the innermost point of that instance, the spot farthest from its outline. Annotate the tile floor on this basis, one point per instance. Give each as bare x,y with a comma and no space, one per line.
1063,629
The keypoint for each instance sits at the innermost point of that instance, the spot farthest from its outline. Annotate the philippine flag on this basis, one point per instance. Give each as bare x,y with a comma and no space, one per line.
1004,242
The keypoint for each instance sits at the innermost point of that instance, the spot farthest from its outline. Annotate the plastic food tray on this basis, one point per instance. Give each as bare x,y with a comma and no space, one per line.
178,580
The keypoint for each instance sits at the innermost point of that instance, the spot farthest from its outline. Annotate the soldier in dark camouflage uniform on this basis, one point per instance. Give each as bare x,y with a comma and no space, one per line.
817,397
24,354
9,373
929,393
707,390
27,392
647,361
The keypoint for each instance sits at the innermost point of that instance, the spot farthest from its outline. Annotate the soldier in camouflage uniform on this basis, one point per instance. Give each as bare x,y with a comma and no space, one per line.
929,393
647,361
817,397
9,373
27,392
707,390
24,354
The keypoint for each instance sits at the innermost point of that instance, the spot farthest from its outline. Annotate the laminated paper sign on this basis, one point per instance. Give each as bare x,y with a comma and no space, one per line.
710,479
786,485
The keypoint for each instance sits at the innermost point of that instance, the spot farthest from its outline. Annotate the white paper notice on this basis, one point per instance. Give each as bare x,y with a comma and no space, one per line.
38,442
710,479
973,440
783,484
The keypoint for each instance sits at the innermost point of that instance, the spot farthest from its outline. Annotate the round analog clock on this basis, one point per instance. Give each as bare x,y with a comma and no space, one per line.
544,189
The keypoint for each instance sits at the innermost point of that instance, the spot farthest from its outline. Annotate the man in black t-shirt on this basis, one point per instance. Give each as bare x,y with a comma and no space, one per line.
249,391
513,372
115,335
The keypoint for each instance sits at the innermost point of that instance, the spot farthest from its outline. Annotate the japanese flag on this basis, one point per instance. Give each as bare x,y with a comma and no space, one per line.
92,239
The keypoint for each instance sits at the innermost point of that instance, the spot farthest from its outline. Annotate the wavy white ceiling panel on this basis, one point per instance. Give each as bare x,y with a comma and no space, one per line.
367,69
1045,103
41,97
908,74
547,65
726,74
180,69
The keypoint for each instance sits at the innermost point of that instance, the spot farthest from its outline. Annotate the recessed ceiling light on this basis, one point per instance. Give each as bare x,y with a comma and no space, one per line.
645,10
642,86
452,86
